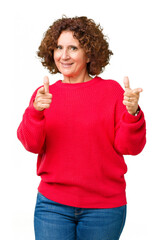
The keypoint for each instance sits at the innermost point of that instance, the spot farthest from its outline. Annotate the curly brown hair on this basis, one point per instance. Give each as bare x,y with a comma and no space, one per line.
90,37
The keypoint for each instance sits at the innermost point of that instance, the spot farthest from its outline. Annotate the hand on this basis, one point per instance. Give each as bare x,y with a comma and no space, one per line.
131,97
43,98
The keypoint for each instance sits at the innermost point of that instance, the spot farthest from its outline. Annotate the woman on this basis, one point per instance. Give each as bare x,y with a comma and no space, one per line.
81,127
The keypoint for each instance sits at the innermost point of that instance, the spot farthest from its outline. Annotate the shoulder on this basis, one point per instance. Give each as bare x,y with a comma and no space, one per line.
111,84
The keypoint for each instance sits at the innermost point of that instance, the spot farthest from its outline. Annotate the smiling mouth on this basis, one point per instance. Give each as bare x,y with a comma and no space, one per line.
66,65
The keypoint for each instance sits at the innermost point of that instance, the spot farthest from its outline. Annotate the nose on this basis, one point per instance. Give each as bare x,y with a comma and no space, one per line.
65,54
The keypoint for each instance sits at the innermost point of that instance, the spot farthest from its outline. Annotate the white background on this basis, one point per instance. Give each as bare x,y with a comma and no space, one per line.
135,35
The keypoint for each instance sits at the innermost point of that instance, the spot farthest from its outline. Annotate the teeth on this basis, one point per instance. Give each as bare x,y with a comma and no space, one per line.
66,64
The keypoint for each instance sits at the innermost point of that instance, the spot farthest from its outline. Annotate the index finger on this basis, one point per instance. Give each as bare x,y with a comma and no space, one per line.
137,90
46,84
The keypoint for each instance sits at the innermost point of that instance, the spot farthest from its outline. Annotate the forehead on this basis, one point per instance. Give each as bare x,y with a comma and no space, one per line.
67,38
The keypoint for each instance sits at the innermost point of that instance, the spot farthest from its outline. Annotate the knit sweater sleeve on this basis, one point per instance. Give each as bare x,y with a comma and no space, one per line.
31,131
130,131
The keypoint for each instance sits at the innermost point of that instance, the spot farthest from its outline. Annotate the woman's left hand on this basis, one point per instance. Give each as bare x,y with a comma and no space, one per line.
131,97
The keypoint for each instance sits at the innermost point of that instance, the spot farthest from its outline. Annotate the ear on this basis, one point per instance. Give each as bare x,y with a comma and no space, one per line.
88,60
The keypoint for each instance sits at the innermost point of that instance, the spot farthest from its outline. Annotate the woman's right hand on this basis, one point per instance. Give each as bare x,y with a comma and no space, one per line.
43,98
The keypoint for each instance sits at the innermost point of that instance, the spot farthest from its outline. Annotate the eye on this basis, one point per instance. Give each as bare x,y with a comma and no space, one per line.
73,48
59,47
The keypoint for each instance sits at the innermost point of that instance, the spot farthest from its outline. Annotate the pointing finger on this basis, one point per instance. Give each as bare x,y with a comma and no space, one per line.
137,90
41,90
46,84
126,82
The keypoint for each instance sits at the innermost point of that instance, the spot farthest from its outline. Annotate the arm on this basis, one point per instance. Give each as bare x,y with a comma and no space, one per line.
130,136
130,130
31,131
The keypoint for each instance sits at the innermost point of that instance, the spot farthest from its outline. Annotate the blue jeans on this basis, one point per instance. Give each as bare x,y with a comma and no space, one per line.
55,221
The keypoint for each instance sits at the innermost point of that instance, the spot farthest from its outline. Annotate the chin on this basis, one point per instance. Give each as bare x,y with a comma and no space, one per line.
67,74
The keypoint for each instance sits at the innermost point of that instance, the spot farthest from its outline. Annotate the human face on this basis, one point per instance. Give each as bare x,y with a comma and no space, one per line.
69,57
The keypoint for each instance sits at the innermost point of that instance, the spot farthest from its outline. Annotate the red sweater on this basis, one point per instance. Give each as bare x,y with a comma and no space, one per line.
80,141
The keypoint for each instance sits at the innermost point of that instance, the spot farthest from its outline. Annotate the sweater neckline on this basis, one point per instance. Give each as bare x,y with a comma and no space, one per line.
76,85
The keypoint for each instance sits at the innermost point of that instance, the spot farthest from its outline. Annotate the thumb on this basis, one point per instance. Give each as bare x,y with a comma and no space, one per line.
126,82
46,84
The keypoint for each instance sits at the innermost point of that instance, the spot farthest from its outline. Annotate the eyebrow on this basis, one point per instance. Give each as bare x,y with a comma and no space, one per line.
71,45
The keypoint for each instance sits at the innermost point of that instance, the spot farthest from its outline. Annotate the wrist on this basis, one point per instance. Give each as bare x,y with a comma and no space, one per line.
136,113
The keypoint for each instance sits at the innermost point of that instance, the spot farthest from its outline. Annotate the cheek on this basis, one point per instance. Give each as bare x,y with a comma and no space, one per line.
79,59
56,56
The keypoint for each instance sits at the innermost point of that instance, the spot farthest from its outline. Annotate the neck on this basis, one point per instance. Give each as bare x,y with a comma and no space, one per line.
78,79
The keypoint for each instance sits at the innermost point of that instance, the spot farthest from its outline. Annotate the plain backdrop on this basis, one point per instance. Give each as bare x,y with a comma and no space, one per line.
134,30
